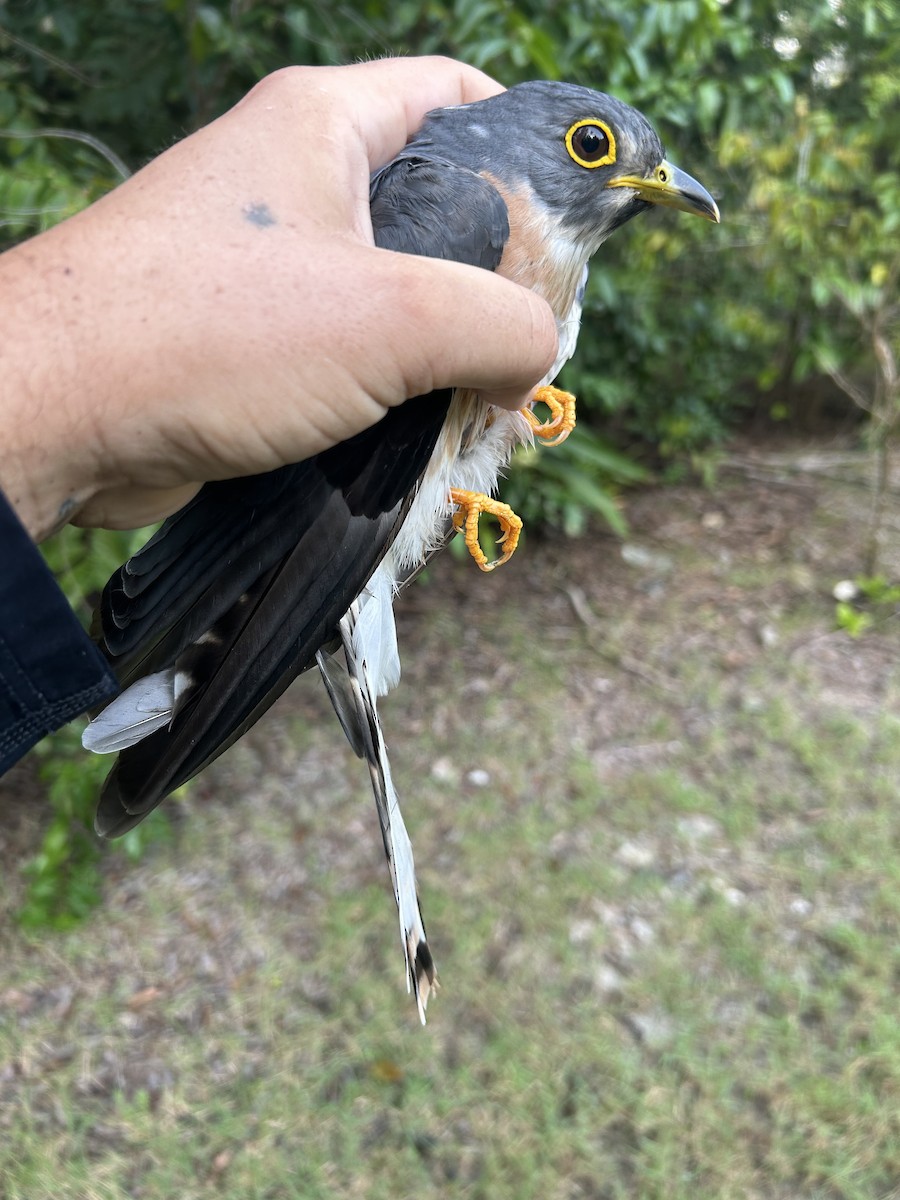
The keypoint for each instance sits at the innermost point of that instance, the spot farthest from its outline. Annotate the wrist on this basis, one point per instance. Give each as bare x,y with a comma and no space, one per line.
37,490
48,460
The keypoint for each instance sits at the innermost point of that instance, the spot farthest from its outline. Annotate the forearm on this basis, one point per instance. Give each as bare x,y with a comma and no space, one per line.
99,347
111,355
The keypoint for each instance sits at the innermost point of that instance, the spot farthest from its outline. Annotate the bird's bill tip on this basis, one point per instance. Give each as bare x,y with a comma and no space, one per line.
671,187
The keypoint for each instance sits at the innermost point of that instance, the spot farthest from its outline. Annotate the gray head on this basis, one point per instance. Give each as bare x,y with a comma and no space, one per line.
593,161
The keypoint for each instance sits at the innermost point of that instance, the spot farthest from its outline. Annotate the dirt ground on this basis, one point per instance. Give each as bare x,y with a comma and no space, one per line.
616,760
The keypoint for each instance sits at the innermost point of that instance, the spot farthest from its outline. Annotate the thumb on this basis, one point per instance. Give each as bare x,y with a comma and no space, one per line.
467,327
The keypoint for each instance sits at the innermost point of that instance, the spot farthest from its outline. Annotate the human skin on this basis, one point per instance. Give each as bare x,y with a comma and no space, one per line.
225,311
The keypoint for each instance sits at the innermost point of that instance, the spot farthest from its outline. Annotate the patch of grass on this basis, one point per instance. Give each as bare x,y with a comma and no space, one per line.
665,927
64,878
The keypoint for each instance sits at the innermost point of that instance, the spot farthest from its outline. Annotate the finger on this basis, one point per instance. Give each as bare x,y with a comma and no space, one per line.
391,96
364,114
460,326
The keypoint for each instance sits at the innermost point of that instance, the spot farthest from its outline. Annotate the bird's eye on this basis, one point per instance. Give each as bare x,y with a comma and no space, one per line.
591,144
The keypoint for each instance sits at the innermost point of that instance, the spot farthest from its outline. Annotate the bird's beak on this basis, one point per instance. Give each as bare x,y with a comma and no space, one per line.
673,188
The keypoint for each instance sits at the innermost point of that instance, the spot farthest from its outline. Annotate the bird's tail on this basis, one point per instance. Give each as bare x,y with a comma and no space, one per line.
354,698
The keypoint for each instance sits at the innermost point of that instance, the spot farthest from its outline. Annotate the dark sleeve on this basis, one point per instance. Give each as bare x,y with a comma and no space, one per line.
50,670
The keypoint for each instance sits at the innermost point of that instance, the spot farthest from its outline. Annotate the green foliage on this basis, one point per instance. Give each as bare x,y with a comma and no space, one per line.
784,113
876,598
879,591
849,618
560,486
63,879
83,559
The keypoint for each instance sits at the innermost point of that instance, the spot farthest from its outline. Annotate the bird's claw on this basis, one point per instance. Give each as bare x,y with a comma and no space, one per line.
562,415
465,521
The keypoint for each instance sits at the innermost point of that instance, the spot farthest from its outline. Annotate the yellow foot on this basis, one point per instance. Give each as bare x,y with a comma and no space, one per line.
465,520
562,415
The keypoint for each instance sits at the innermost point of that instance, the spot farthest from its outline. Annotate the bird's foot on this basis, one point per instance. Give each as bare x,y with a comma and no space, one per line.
465,520
562,415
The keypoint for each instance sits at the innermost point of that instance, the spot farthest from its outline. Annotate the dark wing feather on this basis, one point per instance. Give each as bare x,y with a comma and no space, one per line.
429,206
273,634
267,566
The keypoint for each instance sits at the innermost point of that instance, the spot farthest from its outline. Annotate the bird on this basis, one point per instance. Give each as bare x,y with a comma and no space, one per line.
257,580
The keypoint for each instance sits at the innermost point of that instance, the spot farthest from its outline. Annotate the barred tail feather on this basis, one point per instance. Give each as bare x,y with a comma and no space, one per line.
420,972
363,728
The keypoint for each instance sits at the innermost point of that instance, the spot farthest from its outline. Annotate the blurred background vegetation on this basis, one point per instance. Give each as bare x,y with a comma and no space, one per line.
678,980
787,113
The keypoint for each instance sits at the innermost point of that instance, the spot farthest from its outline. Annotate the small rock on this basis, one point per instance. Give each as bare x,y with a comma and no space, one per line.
221,1162
132,1022
607,980
610,916
478,777
768,636
478,686
730,894
655,1029
634,855
845,590
581,931
642,930
645,559
443,771
697,826
800,907
712,520
207,967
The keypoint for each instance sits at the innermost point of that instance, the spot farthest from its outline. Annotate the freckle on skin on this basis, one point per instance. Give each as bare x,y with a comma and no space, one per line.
259,215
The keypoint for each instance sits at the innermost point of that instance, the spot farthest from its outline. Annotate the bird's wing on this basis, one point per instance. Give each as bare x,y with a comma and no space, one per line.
423,205
236,593
235,635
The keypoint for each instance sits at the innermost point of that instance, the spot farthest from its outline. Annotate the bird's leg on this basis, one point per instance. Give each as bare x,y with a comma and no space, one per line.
465,520
562,415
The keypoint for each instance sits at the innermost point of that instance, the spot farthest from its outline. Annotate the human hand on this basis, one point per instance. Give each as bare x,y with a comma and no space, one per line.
225,311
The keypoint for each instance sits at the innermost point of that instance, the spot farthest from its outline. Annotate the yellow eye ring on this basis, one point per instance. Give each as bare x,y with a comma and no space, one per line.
605,143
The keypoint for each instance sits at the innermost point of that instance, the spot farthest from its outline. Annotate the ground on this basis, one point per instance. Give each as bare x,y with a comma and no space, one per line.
652,790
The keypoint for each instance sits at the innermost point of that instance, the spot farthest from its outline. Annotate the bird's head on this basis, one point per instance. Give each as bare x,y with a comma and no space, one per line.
591,161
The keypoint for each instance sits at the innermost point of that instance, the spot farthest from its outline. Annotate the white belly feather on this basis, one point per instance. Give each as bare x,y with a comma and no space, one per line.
460,460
